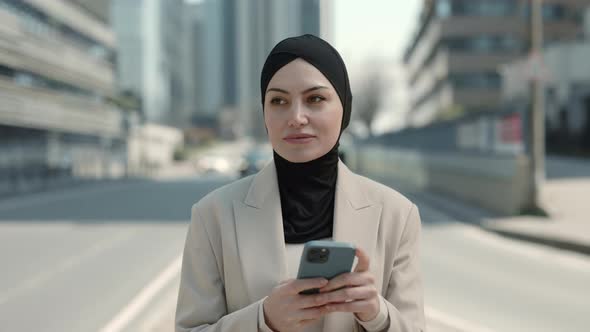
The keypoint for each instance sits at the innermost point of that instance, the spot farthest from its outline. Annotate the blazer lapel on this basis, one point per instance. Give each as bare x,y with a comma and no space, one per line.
260,239
356,220
260,236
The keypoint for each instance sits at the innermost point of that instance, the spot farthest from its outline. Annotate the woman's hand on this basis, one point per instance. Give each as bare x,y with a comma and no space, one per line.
286,310
358,293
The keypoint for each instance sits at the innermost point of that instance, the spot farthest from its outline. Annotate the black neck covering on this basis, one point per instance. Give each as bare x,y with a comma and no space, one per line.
308,189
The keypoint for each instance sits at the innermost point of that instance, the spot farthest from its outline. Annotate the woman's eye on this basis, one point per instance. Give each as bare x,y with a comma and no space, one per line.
316,99
277,101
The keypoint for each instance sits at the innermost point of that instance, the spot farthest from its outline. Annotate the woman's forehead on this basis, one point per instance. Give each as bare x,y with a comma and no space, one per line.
298,74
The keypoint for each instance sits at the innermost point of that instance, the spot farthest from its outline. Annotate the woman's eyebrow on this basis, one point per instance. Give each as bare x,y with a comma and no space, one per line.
303,92
277,89
314,88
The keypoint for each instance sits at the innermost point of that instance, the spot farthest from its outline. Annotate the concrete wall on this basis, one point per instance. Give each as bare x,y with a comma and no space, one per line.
497,183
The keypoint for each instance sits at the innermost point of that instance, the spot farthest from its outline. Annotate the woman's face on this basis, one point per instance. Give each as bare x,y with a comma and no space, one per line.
302,112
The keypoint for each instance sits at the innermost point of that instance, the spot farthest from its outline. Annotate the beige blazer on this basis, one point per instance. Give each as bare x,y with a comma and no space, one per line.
235,252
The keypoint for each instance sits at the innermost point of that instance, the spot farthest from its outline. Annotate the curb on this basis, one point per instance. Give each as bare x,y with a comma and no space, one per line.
559,243
481,218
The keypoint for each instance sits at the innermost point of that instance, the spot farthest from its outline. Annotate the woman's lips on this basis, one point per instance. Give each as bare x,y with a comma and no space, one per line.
303,139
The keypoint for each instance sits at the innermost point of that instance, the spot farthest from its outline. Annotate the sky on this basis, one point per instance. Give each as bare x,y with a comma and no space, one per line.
376,30
368,28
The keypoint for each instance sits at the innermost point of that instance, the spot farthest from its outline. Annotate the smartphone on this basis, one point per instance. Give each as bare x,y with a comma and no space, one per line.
325,259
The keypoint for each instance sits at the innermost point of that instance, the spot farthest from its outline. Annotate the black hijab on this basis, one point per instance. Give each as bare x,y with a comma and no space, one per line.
308,189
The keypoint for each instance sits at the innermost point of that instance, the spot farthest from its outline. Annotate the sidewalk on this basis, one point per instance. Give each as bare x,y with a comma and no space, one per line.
566,200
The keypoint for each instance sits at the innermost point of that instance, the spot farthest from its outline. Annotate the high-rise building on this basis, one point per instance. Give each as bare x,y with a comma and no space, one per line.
100,9
205,57
193,21
172,39
56,80
310,17
260,25
454,58
128,20
231,39
327,20
230,94
587,23
149,62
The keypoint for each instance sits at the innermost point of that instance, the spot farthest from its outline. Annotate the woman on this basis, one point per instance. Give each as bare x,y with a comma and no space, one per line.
245,239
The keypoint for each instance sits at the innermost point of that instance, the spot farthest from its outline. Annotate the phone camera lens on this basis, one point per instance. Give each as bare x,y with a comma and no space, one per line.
318,255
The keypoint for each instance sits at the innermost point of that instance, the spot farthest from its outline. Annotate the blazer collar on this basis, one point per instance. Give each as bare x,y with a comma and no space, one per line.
264,187
259,226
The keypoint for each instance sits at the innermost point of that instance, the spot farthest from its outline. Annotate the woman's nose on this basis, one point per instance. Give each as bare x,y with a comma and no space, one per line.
298,116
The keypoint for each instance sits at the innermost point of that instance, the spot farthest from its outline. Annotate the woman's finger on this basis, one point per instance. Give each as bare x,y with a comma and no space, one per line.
363,261
348,280
298,285
310,313
349,294
341,295
286,281
354,306
310,301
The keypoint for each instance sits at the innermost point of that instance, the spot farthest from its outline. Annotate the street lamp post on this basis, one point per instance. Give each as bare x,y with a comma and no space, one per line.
536,117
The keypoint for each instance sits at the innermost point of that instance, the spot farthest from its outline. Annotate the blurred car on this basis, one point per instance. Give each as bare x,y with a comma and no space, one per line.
213,164
254,160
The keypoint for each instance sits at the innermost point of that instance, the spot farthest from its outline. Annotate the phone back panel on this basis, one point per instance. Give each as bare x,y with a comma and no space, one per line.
339,260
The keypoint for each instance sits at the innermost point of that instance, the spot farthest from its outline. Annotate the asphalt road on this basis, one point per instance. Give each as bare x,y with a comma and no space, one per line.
498,284
91,258
74,260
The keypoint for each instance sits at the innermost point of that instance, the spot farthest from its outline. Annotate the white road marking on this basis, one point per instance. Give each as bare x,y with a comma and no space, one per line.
162,317
135,307
70,262
452,323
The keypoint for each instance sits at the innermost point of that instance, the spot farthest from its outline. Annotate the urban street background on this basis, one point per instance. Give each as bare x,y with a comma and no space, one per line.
117,115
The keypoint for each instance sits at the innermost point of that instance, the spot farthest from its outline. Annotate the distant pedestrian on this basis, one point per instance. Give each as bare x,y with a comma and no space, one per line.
245,239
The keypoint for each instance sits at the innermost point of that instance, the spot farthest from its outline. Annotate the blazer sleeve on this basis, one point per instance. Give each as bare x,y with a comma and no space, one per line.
404,297
201,302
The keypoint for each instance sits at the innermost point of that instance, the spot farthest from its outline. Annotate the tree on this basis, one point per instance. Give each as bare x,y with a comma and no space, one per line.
368,98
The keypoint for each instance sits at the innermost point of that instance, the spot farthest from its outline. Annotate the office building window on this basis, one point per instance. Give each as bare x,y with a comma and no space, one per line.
24,79
6,71
485,7
37,22
443,8
484,80
553,12
28,79
484,44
